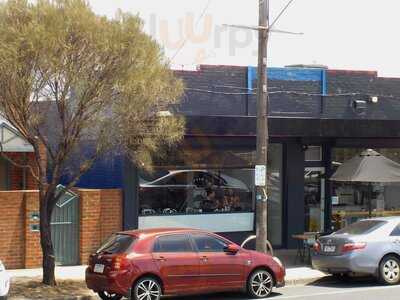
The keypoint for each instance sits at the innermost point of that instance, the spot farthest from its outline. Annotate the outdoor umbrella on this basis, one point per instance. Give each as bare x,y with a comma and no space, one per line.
368,167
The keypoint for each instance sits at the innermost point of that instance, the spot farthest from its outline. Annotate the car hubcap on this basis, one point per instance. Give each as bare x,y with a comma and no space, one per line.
148,290
391,271
261,284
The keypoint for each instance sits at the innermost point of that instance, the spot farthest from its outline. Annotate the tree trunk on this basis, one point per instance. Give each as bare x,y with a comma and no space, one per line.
47,245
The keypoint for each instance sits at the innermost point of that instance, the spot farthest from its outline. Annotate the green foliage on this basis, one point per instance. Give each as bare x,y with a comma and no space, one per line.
107,78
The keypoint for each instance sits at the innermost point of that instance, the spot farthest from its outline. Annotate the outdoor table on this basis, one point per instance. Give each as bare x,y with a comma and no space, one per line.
304,245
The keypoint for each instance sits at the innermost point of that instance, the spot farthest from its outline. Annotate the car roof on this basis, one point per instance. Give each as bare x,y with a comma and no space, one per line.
387,219
156,231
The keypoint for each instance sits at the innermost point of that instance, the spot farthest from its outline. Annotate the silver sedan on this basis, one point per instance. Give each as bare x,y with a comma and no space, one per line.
367,247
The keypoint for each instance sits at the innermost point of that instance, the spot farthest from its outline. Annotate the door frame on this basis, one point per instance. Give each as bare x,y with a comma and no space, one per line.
323,204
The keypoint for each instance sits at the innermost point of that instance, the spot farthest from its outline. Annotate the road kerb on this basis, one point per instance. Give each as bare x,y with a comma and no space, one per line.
302,281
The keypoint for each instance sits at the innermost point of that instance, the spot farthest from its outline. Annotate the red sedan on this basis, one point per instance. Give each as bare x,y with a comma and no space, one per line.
146,264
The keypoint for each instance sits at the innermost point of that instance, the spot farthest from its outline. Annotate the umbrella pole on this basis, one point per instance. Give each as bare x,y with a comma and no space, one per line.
370,200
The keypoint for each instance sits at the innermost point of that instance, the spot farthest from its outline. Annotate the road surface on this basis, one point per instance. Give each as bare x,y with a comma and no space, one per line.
326,289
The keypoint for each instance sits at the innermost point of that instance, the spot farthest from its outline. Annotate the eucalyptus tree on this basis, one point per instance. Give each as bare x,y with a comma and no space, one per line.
70,77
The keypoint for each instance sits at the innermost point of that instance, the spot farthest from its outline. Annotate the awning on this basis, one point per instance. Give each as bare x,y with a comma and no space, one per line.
11,140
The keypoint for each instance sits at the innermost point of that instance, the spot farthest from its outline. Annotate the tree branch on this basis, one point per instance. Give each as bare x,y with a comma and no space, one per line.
14,163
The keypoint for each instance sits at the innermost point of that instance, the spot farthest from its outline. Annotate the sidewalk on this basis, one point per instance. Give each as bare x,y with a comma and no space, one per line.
297,275
302,275
63,273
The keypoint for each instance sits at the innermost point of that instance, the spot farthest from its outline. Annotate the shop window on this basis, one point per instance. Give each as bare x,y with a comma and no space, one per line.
313,153
210,189
197,192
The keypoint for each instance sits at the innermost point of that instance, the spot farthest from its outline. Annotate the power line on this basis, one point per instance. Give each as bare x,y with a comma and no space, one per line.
295,93
197,23
281,13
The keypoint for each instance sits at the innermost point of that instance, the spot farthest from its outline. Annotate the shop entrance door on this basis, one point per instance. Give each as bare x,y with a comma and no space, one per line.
314,199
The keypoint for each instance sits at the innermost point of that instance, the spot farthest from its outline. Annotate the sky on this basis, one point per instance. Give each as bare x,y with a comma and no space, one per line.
341,34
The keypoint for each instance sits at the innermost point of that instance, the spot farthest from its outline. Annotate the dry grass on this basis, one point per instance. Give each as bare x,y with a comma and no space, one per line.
34,289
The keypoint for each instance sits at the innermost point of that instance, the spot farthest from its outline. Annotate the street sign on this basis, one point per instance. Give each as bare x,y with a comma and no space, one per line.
260,175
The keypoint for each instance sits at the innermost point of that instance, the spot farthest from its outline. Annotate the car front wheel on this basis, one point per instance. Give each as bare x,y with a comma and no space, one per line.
389,270
147,288
260,284
109,296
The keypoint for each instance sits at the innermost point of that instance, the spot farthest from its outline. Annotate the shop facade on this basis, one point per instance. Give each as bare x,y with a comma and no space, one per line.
318,118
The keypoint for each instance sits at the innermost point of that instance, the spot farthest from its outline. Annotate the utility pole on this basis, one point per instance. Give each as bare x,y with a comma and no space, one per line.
264,28
262,129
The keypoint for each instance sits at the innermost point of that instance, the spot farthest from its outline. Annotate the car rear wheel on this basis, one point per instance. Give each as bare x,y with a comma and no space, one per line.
109,296
389,270
260,284
147,289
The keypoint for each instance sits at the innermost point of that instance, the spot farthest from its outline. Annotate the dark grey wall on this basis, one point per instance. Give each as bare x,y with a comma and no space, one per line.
294,186
222,90
231,80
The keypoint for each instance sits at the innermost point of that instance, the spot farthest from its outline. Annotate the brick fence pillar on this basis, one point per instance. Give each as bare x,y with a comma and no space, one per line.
33,252
90,222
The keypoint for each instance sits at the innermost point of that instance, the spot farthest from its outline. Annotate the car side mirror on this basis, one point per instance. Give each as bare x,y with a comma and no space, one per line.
232,249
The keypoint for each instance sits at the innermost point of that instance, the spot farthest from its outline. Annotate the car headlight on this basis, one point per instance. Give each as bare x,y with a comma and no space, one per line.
278,261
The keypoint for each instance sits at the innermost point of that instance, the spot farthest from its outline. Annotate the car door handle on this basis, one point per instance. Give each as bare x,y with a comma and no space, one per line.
161,258
204,258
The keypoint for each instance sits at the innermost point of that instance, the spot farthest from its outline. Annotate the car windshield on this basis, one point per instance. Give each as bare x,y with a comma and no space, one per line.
361,227
117,243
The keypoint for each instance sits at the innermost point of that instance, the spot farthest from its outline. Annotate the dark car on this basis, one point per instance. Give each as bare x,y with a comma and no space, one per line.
147,264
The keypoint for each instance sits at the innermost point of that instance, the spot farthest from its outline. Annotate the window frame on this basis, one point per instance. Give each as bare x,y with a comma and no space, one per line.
378,224
157,239
247,202
192,235
396,228
113,239
320,158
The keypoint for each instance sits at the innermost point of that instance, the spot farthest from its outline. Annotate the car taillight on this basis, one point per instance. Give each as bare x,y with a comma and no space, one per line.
119,262
353,246
317,247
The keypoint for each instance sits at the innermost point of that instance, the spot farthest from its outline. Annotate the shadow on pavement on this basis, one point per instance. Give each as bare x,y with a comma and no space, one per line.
346,282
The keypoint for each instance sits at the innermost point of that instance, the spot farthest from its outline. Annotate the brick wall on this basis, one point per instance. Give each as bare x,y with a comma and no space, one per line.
101,215
16,174
12,227
111,212
33,253
90,228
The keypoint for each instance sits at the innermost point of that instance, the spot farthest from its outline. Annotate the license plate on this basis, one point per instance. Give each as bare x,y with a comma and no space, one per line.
329,249
98,268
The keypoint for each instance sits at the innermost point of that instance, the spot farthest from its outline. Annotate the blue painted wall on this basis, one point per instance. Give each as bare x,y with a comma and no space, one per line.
106,173
290,74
